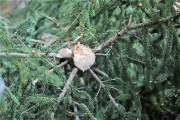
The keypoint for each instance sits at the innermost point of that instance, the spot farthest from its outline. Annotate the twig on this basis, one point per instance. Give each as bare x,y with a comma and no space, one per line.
68,83
38,41
135,61
24,55
101,54
3,54
51,70
75,41
98,91
112,99
97,78
28,109
129,22
75,19
68,27
52,19
169,111
63,63
121,58
75,110
129,27
134,36
103,86
140,25
107,43
100,72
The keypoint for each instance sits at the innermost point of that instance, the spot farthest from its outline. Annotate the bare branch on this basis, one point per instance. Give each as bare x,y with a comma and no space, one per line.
112,99
68,83
103,86
24,55
134,35
52,19
129,27
130,20
101,54
97,78
100,72
51,70
135,61
140,25
3,54
98,91
28,109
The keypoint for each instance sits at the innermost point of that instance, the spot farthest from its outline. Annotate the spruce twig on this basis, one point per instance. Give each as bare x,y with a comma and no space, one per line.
115,37
66,87
101,54
22,55
52,19
134,35
51,70
28,109
103,86
129,27
99,71
25,55
135,61
68,83
98,91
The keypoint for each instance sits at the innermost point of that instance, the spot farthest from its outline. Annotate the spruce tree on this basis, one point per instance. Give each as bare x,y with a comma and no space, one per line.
91,60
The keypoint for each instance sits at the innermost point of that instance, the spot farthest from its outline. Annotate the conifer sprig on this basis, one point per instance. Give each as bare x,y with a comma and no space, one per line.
129,27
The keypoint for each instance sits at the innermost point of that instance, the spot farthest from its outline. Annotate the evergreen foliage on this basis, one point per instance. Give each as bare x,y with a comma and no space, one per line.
135,75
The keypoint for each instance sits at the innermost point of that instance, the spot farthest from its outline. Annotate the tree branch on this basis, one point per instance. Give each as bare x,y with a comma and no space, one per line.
51,70
103,86
68,83
21,55
99,71
24,55
129,27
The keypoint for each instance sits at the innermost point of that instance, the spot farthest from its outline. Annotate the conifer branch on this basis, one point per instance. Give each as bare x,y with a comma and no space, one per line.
163,20
98,91
28,109
97,78
103,86
99,71
22,55
135,61
134,36
101,54
52,19
51,70
129,27
68,83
